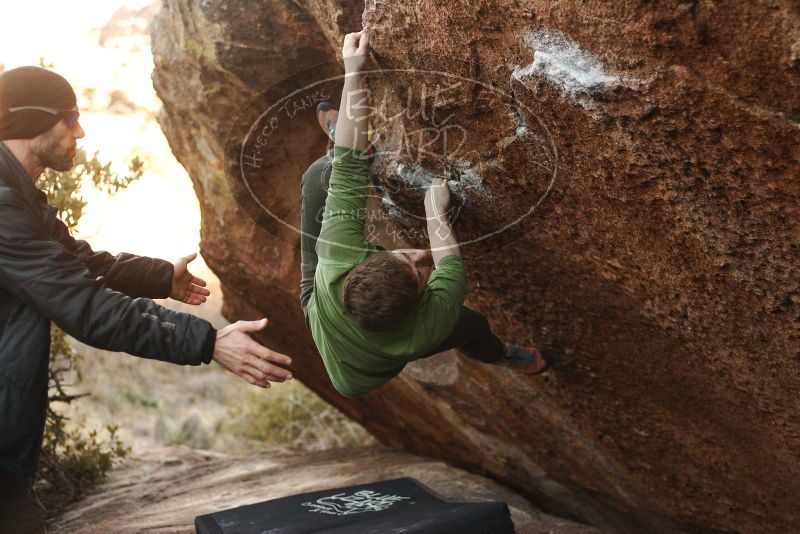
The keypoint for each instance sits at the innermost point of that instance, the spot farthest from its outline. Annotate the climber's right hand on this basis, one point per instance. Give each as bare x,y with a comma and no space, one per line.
355,51
237,352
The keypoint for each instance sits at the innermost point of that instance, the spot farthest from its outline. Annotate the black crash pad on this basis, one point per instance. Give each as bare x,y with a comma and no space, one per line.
400,505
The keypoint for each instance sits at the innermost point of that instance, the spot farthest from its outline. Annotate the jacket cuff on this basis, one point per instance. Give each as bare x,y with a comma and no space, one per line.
162,279
207,352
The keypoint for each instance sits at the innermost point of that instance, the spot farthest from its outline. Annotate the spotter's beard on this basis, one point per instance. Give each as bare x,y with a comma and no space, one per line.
54,152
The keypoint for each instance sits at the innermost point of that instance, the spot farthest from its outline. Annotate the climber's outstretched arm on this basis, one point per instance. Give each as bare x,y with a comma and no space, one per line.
341,238
442,238
352,124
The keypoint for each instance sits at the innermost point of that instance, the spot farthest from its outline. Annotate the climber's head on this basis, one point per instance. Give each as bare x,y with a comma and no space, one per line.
383,289
419,262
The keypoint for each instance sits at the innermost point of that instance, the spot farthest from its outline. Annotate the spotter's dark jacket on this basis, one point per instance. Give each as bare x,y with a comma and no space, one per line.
99,299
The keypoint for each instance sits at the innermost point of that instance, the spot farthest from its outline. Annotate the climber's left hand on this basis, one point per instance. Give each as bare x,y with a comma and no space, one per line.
355,51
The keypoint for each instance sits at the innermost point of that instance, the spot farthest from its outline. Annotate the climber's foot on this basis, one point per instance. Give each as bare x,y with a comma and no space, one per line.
327,115
370,151
525,360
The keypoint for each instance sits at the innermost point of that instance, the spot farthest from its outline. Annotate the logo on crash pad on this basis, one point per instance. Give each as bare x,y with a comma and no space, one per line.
356,503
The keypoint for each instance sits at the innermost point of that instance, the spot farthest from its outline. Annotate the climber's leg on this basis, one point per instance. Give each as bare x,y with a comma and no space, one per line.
473,337
313,193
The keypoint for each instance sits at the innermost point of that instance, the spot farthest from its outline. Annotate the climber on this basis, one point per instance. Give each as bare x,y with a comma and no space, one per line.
371,311
102,300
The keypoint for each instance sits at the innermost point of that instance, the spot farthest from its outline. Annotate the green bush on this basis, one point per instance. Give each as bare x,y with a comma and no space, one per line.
138,399
73,462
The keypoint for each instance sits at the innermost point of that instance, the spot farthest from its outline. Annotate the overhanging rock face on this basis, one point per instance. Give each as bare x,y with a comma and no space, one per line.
627,177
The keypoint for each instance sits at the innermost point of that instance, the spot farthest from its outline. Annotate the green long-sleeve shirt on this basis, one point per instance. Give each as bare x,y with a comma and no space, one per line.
358,360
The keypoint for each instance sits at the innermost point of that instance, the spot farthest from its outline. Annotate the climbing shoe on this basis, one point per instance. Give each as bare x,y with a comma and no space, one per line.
327,115
525,360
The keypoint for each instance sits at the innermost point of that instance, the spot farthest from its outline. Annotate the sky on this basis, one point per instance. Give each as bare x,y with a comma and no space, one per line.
158,216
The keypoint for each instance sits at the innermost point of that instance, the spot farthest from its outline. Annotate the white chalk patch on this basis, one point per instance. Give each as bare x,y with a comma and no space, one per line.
521,122
466,184
415,176
393,209
470,182
562,62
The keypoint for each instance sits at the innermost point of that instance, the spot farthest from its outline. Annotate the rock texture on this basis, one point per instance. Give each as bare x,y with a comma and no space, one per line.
644,159
161,490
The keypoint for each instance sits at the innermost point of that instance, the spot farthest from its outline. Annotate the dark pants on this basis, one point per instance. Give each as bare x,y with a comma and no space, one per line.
20,511
471,335
313,193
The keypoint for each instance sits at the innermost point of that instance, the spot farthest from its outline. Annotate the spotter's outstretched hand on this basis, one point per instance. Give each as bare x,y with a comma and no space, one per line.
186,287
240,354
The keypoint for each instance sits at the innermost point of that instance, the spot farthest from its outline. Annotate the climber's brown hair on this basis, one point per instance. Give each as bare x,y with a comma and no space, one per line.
380,292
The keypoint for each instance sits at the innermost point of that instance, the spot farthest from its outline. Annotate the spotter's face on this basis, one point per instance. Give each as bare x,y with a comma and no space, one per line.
56,147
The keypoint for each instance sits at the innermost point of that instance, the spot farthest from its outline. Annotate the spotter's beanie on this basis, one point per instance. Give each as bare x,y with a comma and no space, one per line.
32,86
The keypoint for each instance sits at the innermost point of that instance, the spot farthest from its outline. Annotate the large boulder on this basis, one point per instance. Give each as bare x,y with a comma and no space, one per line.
627,184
